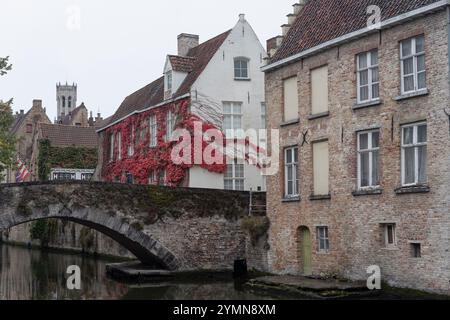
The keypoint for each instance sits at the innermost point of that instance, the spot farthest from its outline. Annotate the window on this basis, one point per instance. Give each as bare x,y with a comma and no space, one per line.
69,102
169,81
119,145
64,176
131,143
368,155
319,90
129,177
111,147
234,176
412,53
263,115
367,76
290,92
291,172
416,250
153,131
323,242
232,117
414,154
321,168
241,68
152,178
29,128
389,235
162,177
170,125
86,176
63,102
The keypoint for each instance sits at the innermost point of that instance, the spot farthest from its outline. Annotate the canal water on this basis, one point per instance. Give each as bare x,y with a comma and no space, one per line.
28,274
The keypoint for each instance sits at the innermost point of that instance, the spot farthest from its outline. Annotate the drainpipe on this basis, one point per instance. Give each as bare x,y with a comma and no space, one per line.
448,43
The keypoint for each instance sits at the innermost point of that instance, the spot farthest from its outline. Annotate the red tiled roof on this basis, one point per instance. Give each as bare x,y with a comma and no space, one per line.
182,64
324,20
196,61
66,136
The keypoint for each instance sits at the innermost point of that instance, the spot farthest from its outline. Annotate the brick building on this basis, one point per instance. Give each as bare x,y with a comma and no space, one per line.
365,158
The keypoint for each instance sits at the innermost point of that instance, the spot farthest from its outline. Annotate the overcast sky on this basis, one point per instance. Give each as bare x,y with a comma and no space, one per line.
118,46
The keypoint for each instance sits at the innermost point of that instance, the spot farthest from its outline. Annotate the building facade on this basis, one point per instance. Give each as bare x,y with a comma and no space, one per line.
365,145
137,142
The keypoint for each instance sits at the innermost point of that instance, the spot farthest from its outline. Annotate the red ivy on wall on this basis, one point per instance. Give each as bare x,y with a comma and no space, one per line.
146,160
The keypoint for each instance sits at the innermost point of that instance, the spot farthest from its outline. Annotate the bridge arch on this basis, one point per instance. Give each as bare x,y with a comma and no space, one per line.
147,249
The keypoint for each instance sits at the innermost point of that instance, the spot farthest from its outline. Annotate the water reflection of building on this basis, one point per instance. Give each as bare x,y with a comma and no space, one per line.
32,274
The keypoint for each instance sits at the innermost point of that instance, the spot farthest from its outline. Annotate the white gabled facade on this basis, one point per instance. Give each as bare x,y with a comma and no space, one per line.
217,84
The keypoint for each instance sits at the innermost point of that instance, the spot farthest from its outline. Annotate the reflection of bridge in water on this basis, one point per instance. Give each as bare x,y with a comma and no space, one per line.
171,228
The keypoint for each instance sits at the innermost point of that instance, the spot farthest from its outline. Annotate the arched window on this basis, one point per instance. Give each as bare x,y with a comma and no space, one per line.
241,68
63,102
70,102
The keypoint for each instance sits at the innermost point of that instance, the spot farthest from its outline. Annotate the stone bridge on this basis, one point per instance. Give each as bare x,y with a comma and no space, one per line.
170,228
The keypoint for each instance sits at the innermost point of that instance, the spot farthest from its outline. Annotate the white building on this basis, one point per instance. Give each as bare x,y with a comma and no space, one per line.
225,86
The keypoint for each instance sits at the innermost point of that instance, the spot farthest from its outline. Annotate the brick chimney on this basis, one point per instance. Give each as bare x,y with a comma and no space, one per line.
37,103
186,42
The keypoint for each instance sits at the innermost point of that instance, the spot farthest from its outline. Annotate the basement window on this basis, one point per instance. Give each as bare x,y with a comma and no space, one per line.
416,250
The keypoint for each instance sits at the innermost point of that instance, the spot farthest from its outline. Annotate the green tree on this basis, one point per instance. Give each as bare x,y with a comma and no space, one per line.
7,141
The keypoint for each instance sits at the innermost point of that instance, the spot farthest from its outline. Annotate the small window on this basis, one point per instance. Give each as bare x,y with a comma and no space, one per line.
319,90
130,151
368,79
389,235
29,128
162,177
241,68
111,147
234,176
291,172
152,178
414,154
368,155
323,242
416,250
169,81
70,102
321,168
130,178
412,54
119,145
263,115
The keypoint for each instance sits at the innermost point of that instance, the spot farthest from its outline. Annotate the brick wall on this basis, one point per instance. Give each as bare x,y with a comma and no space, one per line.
354,222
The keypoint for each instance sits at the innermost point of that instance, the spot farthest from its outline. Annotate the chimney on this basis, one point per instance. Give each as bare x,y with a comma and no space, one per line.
273,44
242,17
186,42
285,29
37,103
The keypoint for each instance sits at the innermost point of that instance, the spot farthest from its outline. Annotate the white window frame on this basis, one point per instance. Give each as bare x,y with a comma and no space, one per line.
416,146
119,145
238,70
111,147
131,143
170,124
386,227
415,73
233,117
370,69
153,129
325,237
263,115
169,80
294,164
370,149
234,178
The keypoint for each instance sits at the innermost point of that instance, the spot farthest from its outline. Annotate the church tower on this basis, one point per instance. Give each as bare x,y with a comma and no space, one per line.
66,98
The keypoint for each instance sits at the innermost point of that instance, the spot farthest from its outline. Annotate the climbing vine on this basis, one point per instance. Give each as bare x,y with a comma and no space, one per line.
144,160
44,230
67,157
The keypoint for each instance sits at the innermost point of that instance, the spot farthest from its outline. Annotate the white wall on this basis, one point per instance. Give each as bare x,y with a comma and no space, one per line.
217,83
201,178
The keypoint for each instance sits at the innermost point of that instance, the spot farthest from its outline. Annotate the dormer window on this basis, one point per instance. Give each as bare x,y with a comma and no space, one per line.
241,68
169,81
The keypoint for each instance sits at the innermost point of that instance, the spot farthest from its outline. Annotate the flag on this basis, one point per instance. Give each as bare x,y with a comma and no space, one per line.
22,172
